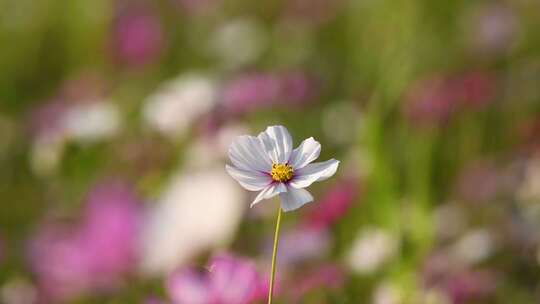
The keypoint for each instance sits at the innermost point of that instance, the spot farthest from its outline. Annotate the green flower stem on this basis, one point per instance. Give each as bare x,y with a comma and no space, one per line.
274,255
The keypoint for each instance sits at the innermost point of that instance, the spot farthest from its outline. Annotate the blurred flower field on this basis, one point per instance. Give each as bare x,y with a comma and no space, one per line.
116,118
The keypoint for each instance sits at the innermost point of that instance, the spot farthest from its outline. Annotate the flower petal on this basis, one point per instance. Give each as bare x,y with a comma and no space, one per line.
277,143
307,152
234,279
248,153
189,286
294,198
269,192
250,180
314,172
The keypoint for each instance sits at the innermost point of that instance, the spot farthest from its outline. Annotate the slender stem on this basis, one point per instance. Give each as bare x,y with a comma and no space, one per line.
274,255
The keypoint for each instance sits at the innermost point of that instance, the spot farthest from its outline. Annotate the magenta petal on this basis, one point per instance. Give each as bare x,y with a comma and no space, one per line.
235,280
112,220
189,285
230,280
93,255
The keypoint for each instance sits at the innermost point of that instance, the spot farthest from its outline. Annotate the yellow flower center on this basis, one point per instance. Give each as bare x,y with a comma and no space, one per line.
282,172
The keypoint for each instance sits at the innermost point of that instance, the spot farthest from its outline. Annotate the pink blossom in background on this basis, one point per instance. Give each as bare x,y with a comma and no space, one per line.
435,100
230,279
111,225
155,300
189,285
94,254
59,261
236,280
470,286
430,101
248,92
324,277
334,204
254,91
437,267
297,88
461,284
138,37
47,119
477,89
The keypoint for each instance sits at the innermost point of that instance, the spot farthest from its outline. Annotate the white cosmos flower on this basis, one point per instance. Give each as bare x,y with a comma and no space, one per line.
268,163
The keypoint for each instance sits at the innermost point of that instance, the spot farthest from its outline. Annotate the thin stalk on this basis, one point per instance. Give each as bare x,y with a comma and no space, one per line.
274,255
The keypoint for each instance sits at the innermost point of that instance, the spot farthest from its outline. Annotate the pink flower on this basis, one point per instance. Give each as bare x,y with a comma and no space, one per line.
325,277
461,284
430,101
476,88
155,300
138,37
111,227
250,91
93,255
255,91
229,280
297,88
434,101
58,259
335,203
46,120
467,286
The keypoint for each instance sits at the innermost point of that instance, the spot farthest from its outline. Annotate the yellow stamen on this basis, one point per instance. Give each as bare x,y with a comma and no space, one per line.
282,172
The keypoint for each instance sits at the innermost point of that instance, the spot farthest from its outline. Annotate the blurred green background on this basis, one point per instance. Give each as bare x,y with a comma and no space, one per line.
115,118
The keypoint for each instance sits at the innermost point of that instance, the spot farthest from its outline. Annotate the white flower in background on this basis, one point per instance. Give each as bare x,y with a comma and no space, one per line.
268,163
239,42
91,121
474,247
83,122
178,103
372,248
200,210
